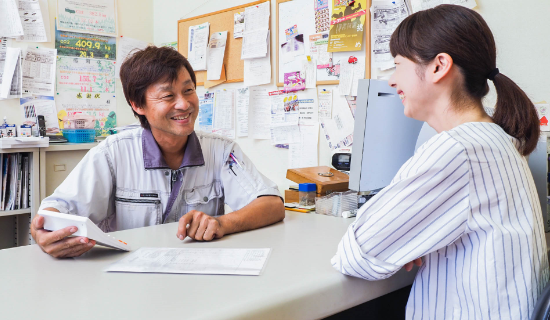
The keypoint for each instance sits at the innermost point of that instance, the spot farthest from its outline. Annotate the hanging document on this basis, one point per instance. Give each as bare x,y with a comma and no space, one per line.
418,5
198,43
85,45
386,16
126,47
242,103
32,21
12,78
206,110
258,71
347,25
224,106
10,22
39,71
257,17
90,16
216,52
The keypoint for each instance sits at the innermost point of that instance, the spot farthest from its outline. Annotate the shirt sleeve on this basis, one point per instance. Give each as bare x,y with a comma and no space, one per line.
242,182
87,190
426,207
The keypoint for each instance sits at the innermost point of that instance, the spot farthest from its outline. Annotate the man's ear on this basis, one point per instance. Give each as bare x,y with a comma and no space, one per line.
137,109
440,67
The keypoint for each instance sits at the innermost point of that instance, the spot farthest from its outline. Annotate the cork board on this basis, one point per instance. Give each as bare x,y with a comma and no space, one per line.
219,21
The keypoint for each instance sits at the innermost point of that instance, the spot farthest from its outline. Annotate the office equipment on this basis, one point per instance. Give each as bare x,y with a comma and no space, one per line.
336,203
222,20
54,221
341,161
228,261
302,14
326,179
298,281
384,138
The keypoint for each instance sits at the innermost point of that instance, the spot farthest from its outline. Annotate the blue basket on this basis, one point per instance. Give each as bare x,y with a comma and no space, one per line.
79,135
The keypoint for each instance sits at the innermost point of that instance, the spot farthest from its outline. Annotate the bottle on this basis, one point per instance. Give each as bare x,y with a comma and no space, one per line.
4,128
307,193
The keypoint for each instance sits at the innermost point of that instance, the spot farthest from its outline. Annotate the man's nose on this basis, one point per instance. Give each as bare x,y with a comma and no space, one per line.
182,104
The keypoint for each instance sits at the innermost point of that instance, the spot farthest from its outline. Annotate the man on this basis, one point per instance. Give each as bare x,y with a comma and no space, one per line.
162,172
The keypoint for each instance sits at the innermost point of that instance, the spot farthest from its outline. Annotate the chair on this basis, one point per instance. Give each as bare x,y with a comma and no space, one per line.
542,307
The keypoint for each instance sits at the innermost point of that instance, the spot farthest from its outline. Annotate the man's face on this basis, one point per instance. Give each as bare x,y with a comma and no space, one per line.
171,108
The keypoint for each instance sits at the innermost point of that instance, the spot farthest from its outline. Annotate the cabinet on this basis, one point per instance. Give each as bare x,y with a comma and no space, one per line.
15,224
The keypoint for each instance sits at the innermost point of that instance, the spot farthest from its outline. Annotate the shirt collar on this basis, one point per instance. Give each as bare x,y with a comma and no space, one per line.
153,159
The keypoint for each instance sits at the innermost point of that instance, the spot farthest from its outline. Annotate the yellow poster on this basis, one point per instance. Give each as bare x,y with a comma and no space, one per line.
347,25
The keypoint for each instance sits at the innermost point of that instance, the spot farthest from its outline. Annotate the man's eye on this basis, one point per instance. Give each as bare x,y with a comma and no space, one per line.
189,90
167,97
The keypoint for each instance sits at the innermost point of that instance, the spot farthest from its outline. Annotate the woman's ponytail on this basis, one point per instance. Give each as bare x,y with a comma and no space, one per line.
516,114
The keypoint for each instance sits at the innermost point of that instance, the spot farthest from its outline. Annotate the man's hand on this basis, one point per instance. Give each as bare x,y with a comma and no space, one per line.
202,227
409,265
56,243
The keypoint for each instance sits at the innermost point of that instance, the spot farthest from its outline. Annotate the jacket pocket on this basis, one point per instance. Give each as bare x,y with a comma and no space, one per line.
208,199
136,212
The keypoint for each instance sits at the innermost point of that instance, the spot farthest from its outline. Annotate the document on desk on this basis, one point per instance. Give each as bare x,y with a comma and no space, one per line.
248,262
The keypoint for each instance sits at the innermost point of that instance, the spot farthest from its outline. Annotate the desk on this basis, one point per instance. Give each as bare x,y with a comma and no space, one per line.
298,281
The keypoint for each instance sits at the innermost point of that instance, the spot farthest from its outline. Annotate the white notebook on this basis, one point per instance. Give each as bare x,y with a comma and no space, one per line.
54,221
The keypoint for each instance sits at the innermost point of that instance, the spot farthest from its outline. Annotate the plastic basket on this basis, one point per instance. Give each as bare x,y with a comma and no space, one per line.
79,135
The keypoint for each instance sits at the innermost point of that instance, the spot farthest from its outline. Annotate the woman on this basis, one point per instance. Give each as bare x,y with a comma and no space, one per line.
466,200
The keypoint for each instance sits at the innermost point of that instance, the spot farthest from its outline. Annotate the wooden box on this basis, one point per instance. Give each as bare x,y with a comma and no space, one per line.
337,182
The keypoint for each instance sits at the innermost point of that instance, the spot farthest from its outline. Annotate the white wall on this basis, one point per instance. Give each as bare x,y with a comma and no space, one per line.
271,161
135,19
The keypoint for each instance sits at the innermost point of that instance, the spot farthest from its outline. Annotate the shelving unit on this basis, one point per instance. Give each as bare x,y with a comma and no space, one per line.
15,224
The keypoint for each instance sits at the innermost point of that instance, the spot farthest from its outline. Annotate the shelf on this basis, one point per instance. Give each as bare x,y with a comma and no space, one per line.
14,212
22,142
69,146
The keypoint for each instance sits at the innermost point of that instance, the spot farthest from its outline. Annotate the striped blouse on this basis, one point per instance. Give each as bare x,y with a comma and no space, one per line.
467,203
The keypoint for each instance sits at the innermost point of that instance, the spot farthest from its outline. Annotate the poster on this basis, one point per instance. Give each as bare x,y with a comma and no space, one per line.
294,81
322,16
84,45
173,44
85,76
347,25
89,16
206,111
100,106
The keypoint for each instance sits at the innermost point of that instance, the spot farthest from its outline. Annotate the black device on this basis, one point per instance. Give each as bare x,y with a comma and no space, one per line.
41,126
341,161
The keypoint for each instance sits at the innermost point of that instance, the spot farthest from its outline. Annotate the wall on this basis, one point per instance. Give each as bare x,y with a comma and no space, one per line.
134,20
271,161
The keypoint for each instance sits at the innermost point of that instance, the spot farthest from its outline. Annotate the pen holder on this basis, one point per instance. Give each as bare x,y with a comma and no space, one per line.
336,203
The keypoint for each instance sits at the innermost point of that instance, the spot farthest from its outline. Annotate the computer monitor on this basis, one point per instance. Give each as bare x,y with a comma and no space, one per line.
383,138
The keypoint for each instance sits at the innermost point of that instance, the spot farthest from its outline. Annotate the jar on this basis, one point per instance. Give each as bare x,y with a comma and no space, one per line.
307,193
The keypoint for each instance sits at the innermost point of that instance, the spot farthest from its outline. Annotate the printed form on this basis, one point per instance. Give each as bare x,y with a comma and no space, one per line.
248,262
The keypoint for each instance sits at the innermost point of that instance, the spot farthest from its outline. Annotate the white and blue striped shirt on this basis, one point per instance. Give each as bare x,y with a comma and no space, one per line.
467,203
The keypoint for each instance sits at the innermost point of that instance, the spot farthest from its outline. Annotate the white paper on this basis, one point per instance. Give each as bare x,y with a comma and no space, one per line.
224,106
325,103
339,130
308,106
285,134
32,21
358,73
257,17
87,16
309,69
194,261
197,45
39,71
216,52
258,71
284,109
238,27
259,114
346,78
293,48
418,5
10,21
386,16
125,48
254,44
241,102
12,80
303,153
40,106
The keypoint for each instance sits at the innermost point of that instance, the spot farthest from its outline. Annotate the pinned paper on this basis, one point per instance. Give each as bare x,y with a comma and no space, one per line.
212,83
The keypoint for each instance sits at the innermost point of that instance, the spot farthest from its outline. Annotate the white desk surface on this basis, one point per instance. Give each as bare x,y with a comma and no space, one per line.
298,281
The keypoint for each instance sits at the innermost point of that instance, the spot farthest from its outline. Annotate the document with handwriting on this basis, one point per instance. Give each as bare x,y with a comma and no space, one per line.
194,261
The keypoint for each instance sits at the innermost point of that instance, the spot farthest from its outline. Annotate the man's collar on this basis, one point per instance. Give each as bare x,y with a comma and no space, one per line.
153,159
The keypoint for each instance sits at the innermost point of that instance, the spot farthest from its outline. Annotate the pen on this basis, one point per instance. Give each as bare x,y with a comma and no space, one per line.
235,159
296,209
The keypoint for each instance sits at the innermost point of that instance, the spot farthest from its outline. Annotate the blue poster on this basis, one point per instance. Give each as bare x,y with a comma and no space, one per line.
206,110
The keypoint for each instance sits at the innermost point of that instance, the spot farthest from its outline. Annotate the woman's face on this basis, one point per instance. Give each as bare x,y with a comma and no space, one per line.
409,81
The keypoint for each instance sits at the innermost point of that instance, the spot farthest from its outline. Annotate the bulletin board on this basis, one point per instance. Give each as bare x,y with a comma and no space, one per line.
302,13
222,20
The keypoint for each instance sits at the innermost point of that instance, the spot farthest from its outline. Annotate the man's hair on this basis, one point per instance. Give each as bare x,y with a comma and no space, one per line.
147,67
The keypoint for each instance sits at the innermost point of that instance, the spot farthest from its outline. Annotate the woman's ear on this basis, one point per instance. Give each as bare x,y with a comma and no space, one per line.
440,67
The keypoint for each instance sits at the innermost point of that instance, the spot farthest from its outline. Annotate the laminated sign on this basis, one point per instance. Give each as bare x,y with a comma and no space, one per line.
347,25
